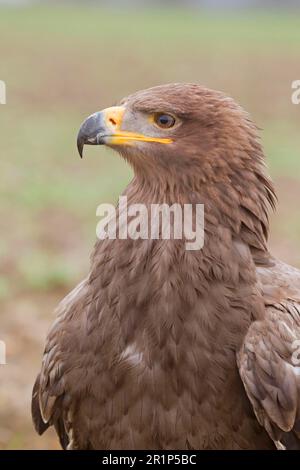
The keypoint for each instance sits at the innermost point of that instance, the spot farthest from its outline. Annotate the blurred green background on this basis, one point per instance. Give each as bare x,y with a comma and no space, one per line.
60,64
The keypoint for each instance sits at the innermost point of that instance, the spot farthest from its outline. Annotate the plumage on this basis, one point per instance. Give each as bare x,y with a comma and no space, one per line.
165,348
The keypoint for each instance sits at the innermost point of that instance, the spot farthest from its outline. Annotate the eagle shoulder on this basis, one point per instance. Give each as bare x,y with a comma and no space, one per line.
269,359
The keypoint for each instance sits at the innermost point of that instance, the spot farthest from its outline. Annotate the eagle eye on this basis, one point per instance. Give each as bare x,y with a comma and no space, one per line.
165,121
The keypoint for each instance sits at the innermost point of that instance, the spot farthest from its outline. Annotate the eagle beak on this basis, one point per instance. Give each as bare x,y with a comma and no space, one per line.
104,128
92,131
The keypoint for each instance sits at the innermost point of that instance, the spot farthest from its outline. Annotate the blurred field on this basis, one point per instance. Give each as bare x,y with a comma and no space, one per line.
62,64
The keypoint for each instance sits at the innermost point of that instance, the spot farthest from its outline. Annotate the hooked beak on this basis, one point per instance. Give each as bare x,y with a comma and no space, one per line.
92,131
104,128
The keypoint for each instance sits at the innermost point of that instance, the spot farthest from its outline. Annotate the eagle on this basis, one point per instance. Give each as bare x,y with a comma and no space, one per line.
161,347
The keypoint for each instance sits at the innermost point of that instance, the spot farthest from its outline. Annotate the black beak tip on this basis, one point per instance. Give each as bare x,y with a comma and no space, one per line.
89,131
80,145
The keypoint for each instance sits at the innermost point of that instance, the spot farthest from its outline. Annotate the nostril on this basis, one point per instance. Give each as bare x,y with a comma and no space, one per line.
112,121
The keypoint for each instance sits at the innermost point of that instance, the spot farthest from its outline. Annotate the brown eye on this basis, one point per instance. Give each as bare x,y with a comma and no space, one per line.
164,120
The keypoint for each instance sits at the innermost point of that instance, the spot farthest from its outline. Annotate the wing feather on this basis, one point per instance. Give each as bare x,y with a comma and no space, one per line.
50,400
267,361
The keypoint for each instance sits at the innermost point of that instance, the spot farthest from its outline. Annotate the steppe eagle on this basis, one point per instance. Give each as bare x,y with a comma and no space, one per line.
161,347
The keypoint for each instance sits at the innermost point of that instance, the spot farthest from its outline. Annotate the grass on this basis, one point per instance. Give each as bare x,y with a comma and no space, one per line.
88,23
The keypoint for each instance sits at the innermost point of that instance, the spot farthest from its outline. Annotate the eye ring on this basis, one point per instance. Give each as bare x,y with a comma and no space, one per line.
164,120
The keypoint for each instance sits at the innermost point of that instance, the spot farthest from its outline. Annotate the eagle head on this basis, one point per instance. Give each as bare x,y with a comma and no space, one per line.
177,130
